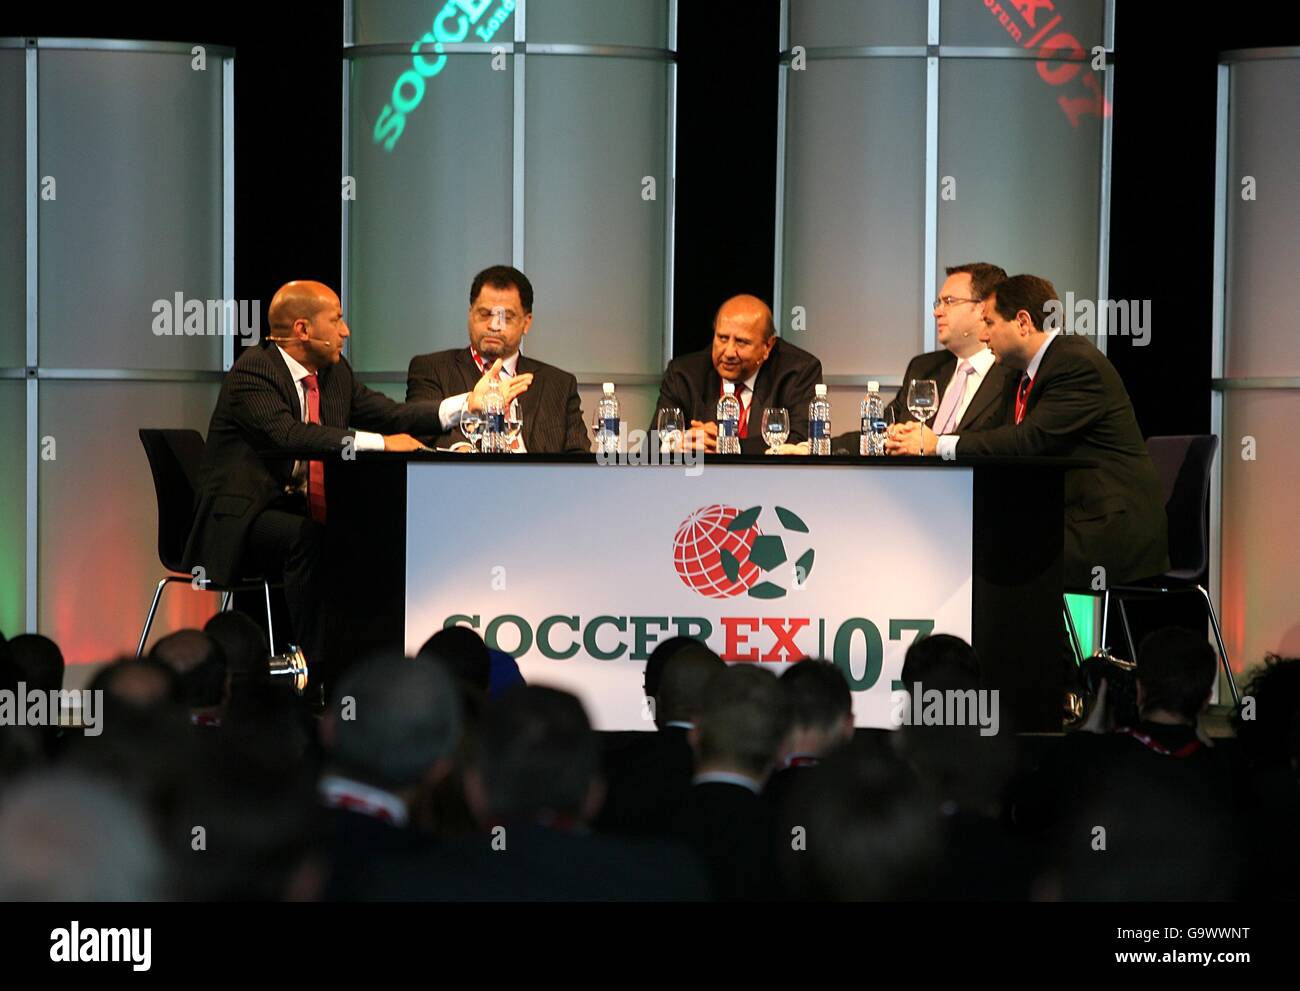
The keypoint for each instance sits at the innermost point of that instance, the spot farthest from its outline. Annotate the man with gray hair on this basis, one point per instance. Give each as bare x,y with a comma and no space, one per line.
69,838
390,735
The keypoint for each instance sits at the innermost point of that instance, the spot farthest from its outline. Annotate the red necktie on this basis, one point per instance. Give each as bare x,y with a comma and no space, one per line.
315,469
743,430
1022,396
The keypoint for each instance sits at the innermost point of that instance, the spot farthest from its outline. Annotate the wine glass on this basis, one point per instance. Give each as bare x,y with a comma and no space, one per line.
471,425
776,427
922,401
671,426
514,423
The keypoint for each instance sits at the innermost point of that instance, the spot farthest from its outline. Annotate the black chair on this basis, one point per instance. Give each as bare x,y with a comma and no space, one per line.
1184,464
174,457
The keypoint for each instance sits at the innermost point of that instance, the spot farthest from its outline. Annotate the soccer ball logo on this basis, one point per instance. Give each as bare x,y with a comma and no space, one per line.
720,551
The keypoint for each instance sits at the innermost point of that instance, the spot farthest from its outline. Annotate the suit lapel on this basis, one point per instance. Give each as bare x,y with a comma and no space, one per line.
985,396
529,404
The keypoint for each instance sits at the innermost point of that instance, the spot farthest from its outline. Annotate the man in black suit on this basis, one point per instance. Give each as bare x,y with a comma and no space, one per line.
766,370
1069,402
267,515
742,731
500,315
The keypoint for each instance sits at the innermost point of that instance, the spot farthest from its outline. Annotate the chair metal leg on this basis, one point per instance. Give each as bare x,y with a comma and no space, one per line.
270,629
1223,651
1104,646
1128,631
153,609
1076,644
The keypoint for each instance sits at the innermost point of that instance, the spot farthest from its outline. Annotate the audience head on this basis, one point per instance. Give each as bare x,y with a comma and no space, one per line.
1267,737
394,722
199,664
872,830
66,837
958,311
535,757
500,311
654,665
1175,674
463,653
744,721
1014,318
682,684
941,661
138,684
39,660
821,706
743,335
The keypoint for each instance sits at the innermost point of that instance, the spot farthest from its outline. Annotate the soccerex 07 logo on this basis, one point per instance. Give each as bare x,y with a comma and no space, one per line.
721,552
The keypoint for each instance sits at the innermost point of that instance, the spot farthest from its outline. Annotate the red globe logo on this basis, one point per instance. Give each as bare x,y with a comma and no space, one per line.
698,551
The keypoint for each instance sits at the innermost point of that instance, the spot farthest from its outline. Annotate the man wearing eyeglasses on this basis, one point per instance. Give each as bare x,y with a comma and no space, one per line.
975,391
545,397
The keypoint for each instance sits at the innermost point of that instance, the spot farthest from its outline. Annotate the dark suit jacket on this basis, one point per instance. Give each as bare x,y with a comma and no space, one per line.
257,410
1114,513
730,829
648,777
992,406
551,408
693,385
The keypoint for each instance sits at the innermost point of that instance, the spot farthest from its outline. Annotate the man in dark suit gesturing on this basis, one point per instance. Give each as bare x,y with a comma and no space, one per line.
1069,402
267,515
766,371
500,314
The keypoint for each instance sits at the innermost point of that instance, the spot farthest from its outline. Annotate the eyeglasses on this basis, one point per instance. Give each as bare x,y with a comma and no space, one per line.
948,301
508,317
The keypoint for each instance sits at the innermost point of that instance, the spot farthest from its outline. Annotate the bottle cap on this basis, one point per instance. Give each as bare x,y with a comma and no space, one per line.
820,390
729,388
873,386
607,388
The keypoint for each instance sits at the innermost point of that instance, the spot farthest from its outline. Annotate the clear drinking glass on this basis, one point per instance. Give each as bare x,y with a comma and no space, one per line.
672,427
471,425
922,400
514,424
776,426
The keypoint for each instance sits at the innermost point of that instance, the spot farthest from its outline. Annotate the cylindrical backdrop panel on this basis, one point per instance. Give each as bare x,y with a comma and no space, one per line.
1259,372
117,309
485,132
916,136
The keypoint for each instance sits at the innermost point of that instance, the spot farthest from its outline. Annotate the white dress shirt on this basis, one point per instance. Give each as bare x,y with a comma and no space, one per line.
981,361
946,446
366,440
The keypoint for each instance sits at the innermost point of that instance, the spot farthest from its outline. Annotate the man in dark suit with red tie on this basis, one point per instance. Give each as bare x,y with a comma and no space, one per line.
767,372
545,397
1069,402
263,515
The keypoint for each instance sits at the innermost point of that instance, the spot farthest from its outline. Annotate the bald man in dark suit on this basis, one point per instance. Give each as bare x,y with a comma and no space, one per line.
294,392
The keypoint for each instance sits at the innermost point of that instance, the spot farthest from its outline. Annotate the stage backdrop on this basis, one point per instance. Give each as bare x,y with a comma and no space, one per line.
584,575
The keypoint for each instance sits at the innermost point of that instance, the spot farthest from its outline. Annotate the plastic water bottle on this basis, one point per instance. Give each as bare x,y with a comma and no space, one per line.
819,423
728,420
494,418
874,428
607,420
